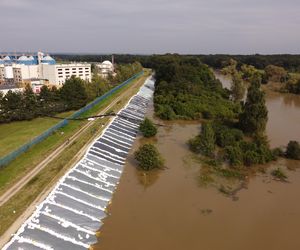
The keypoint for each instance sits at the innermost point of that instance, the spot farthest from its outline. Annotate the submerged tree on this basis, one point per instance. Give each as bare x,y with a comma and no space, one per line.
254,117
205,142
148,128
148,157
293,150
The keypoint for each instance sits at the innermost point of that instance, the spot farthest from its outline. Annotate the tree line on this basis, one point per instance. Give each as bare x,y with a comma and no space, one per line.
287,61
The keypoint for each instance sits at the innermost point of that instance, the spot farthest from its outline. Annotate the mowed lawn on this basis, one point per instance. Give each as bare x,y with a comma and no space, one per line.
15,134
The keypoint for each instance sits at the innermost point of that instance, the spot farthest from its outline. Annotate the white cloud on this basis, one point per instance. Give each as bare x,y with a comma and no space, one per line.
195,26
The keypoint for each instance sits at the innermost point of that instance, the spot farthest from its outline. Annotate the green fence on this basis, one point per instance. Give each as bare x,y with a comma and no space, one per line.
13,155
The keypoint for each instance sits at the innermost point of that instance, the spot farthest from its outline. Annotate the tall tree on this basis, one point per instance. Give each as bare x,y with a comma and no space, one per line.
275,73
237,87
254,117
11,106
29,106
207,139
73,93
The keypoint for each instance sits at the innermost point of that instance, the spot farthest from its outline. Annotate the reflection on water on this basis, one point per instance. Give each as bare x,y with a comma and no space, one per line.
169,209
147,179
284,118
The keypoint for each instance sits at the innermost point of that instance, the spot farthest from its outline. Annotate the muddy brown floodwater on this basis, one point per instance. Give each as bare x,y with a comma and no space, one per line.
170,209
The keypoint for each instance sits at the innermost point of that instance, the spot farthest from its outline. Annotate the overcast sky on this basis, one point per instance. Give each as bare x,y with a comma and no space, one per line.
151,26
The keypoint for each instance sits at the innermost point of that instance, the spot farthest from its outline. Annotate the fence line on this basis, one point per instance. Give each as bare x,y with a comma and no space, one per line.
13,155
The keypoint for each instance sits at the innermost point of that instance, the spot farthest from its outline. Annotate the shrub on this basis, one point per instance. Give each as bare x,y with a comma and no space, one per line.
293,150
278,173
165,112
251,157
147,128
234,155
148,157
207,139
277,152
205,142
226,136
194,144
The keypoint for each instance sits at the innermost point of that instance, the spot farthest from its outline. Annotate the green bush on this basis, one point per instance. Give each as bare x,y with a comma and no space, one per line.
278,173
205,142
278,152
147,128
248,153
293,150
234,155
194,144
251,158
165,112
148,157
226,136
207,139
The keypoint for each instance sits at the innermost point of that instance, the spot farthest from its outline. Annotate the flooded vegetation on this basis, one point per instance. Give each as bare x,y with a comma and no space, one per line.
284,115
190,206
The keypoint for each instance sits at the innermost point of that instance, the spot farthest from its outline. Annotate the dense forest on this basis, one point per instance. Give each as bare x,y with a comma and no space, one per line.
187,89
73,95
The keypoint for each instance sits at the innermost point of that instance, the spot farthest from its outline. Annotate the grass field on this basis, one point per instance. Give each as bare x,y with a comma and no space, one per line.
12,209
15,134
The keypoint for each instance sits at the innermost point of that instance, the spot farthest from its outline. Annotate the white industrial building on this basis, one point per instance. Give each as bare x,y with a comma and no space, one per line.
18,70
59,73
106,68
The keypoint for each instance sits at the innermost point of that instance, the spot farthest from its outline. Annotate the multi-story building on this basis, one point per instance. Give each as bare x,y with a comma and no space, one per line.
59,73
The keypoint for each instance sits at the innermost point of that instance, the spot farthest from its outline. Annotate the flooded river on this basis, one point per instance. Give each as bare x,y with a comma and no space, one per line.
170,209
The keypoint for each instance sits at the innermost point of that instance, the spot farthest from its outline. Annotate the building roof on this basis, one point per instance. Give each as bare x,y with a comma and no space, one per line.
47,58
23,58
107,62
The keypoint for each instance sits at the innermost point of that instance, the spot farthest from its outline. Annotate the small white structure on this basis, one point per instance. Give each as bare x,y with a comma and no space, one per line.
106,68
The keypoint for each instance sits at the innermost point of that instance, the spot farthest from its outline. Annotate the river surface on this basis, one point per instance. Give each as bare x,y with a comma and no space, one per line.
171,209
